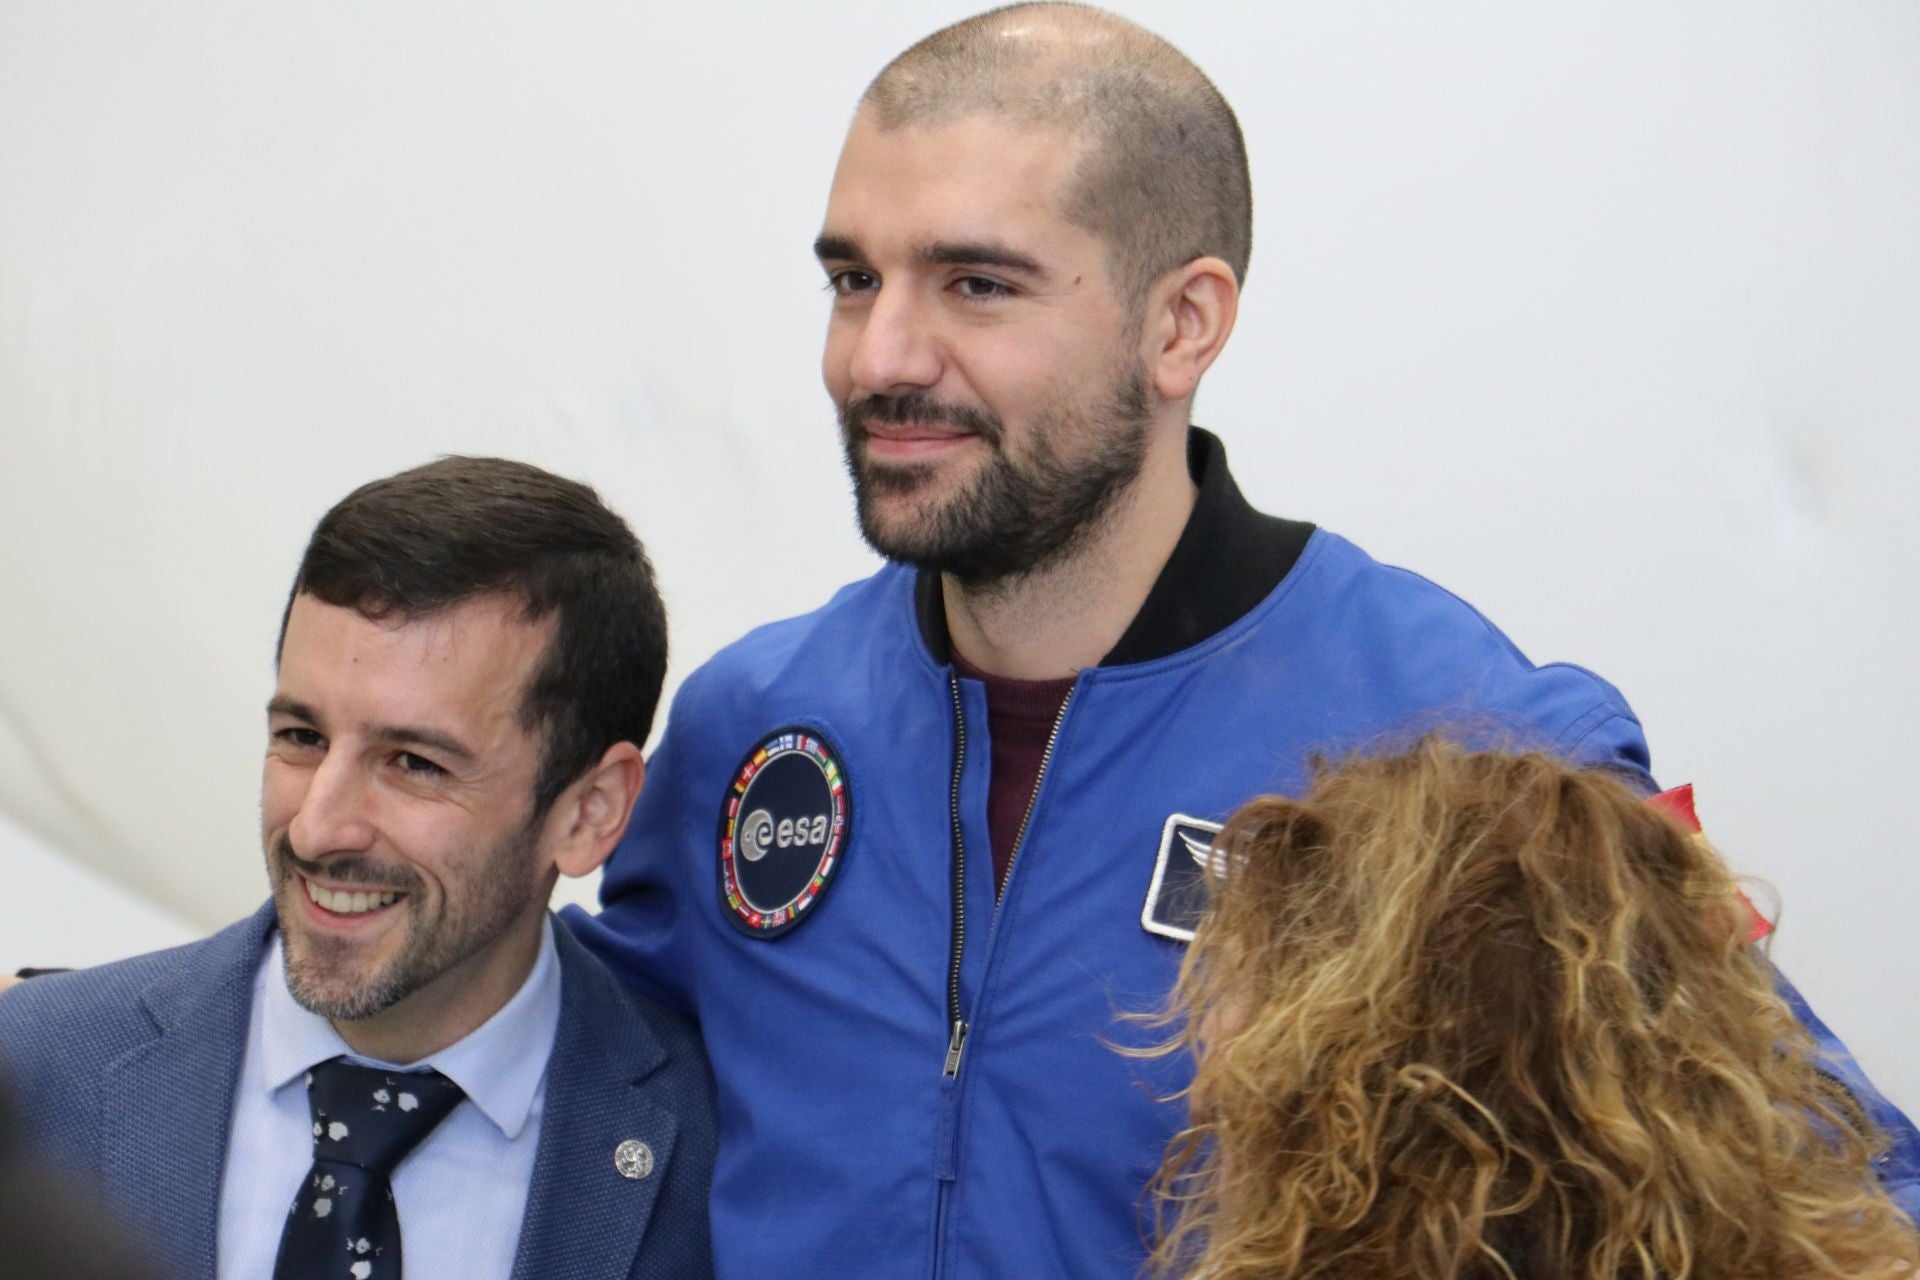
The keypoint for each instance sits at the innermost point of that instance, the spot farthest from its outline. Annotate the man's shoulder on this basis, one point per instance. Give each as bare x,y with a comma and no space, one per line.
63,1036
1349,570
877,610
632,1031
628,1075
850,610
108,995
618,1048
1399,604
1422,646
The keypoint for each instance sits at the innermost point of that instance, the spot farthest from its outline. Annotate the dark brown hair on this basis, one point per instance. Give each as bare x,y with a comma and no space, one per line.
424,540
1464,1014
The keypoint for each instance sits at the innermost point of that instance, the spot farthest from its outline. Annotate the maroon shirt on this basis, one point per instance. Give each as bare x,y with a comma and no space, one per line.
1020,718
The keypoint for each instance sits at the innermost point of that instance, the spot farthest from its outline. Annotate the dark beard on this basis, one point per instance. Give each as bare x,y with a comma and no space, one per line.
433,944
1013,518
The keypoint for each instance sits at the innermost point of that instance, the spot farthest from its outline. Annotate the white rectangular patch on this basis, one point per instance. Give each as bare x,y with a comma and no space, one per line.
1178,893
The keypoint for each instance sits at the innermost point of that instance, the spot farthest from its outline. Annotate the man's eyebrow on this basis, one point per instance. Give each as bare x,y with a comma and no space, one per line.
832,248
293,708
979,253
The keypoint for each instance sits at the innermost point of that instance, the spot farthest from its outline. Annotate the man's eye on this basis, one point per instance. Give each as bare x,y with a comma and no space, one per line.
981,287
418,766
305,739
849,281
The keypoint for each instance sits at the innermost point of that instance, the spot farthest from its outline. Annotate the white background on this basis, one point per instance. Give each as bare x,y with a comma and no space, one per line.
1605,315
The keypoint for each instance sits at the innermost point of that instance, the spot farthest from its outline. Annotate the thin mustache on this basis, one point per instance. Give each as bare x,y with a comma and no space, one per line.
917,407
347,869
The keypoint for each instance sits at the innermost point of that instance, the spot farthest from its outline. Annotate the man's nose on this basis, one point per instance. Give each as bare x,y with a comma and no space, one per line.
897,347
334,814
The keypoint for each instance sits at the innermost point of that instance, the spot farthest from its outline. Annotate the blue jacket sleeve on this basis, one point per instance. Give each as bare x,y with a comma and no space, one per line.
1899,1165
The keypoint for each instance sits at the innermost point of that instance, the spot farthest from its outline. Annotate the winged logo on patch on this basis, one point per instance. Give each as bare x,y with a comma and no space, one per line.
1204,854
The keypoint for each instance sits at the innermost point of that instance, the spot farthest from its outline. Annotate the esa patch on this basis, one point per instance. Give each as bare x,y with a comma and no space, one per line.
1178,893
783,828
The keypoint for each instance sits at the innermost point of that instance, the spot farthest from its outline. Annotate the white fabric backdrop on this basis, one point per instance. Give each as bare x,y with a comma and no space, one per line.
1604,316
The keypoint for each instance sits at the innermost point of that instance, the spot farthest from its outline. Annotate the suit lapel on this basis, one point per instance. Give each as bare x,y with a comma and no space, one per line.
584,1217
165,1105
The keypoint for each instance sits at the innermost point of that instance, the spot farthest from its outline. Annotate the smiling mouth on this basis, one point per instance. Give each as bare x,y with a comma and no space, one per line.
899,444
350,902
915,431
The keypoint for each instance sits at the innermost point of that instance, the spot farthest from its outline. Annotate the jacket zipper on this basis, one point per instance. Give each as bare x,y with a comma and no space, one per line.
1046,759
957,1023
943,1142
946,1142
956,946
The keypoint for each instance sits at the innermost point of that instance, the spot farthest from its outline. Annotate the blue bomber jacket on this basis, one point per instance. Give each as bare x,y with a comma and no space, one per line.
914,1081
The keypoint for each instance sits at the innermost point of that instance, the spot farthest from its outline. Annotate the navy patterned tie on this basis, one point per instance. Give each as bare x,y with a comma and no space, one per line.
365,1120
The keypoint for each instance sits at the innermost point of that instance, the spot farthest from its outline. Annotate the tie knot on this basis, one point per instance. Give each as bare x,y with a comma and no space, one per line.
372,1118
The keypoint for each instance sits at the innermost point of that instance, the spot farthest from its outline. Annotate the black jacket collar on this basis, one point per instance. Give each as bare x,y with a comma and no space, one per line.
1229,558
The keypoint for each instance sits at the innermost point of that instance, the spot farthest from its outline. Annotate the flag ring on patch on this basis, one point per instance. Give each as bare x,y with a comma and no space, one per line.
783,829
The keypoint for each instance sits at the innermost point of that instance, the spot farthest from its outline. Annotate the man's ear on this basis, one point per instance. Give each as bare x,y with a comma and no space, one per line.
591,815
1190,314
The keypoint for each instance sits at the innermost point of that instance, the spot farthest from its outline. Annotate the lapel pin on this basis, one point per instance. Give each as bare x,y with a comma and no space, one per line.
633,1158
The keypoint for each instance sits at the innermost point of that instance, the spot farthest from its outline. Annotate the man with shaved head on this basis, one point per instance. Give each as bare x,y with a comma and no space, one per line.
913,857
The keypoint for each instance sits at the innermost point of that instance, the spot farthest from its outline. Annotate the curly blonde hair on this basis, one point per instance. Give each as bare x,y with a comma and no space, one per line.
1462,1014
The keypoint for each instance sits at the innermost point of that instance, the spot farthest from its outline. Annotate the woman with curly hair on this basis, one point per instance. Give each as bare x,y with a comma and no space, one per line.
1464,1014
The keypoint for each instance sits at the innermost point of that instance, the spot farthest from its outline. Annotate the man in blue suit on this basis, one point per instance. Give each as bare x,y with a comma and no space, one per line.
401,1042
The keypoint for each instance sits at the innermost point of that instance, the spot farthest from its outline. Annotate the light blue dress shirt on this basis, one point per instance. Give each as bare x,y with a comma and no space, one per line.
462,1192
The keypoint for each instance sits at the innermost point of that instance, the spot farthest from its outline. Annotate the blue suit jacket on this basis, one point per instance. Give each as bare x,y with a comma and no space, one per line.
127,1071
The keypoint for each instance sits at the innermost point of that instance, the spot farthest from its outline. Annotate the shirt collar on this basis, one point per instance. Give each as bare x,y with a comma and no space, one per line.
500,1064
